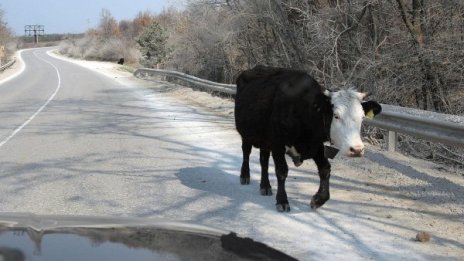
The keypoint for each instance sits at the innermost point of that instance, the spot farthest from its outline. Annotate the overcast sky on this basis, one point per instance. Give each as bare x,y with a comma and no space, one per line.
73,16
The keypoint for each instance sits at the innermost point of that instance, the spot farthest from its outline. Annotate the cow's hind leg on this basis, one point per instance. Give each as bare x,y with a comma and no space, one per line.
323,167
281,169
265,185
245,171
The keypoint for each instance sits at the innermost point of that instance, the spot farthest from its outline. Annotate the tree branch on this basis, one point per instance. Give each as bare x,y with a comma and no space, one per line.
404,10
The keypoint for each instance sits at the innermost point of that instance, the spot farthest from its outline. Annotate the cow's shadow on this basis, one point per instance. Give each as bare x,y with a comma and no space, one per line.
209,179
221,183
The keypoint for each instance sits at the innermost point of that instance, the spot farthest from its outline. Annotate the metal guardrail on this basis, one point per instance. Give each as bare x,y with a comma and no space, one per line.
189,79
7,65
431,126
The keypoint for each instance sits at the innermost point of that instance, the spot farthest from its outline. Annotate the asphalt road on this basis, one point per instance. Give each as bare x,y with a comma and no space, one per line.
76,142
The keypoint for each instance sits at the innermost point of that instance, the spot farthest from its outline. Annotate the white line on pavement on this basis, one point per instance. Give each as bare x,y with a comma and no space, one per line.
18,129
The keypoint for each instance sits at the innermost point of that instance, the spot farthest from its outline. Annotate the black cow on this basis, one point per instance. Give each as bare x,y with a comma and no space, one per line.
283,111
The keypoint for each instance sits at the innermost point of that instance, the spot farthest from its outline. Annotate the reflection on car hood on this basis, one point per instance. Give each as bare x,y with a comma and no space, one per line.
34,237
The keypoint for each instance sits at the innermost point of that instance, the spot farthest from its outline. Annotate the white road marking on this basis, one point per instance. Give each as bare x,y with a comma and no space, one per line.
17,130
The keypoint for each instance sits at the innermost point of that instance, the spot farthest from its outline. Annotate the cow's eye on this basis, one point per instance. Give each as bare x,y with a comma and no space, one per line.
336,116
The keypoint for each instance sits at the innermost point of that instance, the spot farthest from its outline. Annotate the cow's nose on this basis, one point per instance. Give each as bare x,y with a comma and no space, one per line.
357,151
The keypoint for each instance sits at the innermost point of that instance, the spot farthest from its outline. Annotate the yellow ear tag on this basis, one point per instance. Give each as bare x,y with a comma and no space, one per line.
370,114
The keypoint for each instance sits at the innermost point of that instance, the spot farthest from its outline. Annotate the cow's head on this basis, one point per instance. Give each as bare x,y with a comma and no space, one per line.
348,111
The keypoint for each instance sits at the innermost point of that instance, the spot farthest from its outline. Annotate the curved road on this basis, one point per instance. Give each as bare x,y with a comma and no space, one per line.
76,142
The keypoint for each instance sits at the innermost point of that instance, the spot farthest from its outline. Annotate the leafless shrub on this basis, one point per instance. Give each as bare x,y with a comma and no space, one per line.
436,152
110,41
6,38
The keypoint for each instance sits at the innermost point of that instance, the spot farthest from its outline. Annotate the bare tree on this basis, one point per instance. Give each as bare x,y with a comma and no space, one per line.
108,25
6,36
422,19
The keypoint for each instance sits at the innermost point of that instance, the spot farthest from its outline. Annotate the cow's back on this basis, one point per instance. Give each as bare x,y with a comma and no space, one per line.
253,104
268,99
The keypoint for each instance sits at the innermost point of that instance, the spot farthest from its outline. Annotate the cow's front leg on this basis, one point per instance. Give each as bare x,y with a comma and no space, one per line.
281,169
265,185
245,170
323,167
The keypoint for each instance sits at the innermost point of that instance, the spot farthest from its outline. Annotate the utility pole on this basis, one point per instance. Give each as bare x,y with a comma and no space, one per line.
34,30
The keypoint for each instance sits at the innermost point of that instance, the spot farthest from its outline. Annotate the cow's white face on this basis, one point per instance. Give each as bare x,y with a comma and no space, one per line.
345,128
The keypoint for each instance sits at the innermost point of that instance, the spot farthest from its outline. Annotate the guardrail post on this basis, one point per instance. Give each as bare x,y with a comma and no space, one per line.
392,139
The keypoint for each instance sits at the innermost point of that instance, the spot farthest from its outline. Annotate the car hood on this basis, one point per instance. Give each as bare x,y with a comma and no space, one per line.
50,237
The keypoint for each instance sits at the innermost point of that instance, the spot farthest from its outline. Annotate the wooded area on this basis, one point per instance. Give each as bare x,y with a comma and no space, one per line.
405,52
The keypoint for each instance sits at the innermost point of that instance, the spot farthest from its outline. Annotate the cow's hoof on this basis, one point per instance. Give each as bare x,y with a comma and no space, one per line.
285,207
266,191
317,201
314,205
244,181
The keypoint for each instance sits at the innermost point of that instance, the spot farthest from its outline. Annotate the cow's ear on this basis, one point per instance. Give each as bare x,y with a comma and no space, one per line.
371,108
